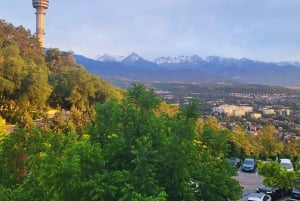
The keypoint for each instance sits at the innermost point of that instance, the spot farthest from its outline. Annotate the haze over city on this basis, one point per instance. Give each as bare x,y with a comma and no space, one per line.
264,30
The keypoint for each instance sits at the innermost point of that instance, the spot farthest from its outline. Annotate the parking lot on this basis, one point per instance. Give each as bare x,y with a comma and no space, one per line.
249,181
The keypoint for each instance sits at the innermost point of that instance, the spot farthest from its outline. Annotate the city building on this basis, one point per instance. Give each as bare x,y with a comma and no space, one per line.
283,112
233,110
255,115
267,111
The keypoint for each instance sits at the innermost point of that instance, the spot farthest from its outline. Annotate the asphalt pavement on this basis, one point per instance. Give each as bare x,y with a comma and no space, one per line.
250,181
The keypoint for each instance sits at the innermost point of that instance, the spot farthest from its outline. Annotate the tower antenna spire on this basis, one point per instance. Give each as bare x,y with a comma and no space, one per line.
40,6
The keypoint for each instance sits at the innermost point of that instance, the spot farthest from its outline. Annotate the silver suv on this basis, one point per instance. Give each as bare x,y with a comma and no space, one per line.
259,197
248,165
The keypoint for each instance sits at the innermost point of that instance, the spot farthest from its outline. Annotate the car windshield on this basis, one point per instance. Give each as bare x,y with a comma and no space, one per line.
287,165
262,186
248,162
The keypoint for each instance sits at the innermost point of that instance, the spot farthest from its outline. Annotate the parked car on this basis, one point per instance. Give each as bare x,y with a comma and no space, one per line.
275,193
194,186
235,161
286,163
249,165
259,197
295,194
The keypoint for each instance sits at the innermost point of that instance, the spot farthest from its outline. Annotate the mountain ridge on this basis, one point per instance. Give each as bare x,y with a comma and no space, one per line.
212,69
184,58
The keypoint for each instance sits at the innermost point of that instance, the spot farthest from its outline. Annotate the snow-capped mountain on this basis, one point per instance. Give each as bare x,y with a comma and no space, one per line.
172,60
132,58
136,62
106,58
178,59
194,69
196,60
289,63
221,60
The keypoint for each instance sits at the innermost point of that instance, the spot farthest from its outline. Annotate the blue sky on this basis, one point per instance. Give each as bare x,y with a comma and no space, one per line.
266,30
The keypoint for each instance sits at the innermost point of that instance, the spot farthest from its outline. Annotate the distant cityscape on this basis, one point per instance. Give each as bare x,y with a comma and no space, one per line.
251,110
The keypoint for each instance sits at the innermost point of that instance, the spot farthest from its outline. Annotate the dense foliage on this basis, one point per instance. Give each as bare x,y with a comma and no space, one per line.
136,149
33,81
277,176
130,153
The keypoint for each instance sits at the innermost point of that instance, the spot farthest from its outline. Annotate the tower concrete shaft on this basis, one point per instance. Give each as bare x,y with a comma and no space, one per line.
40,6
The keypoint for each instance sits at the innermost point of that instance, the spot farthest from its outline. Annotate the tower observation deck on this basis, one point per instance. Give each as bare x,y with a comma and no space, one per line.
40,6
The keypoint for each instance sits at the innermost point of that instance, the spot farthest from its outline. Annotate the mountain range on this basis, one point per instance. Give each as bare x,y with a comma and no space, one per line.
192,69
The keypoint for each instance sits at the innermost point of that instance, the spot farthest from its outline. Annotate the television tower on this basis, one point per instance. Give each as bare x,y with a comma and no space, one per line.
40,6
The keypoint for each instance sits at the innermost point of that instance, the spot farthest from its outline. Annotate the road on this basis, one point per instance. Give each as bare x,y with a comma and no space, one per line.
249,181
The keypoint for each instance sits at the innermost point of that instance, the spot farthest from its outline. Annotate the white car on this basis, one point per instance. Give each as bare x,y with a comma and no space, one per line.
259,197
286,163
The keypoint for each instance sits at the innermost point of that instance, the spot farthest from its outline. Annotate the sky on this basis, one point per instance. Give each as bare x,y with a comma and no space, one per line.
264,30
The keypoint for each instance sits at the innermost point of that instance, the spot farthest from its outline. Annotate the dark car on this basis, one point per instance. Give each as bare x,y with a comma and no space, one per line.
236,162
295,194
275,193
248,165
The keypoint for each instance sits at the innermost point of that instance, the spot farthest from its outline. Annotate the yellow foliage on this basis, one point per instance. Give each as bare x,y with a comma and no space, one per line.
212,123
199,125
42,154
48,145
3,132
113,135
165,108
85,137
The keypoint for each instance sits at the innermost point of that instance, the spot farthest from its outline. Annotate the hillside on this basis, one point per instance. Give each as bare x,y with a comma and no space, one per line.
33,81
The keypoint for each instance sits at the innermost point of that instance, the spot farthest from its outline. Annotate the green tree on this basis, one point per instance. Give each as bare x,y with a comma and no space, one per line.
132,137
73,175
23,76
129,153
213,143
58,61
269,143
21,158
243,143
161,154
276,176
291,149
25,85
4,194
215,137
179,158
28,43
13,158
75,90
